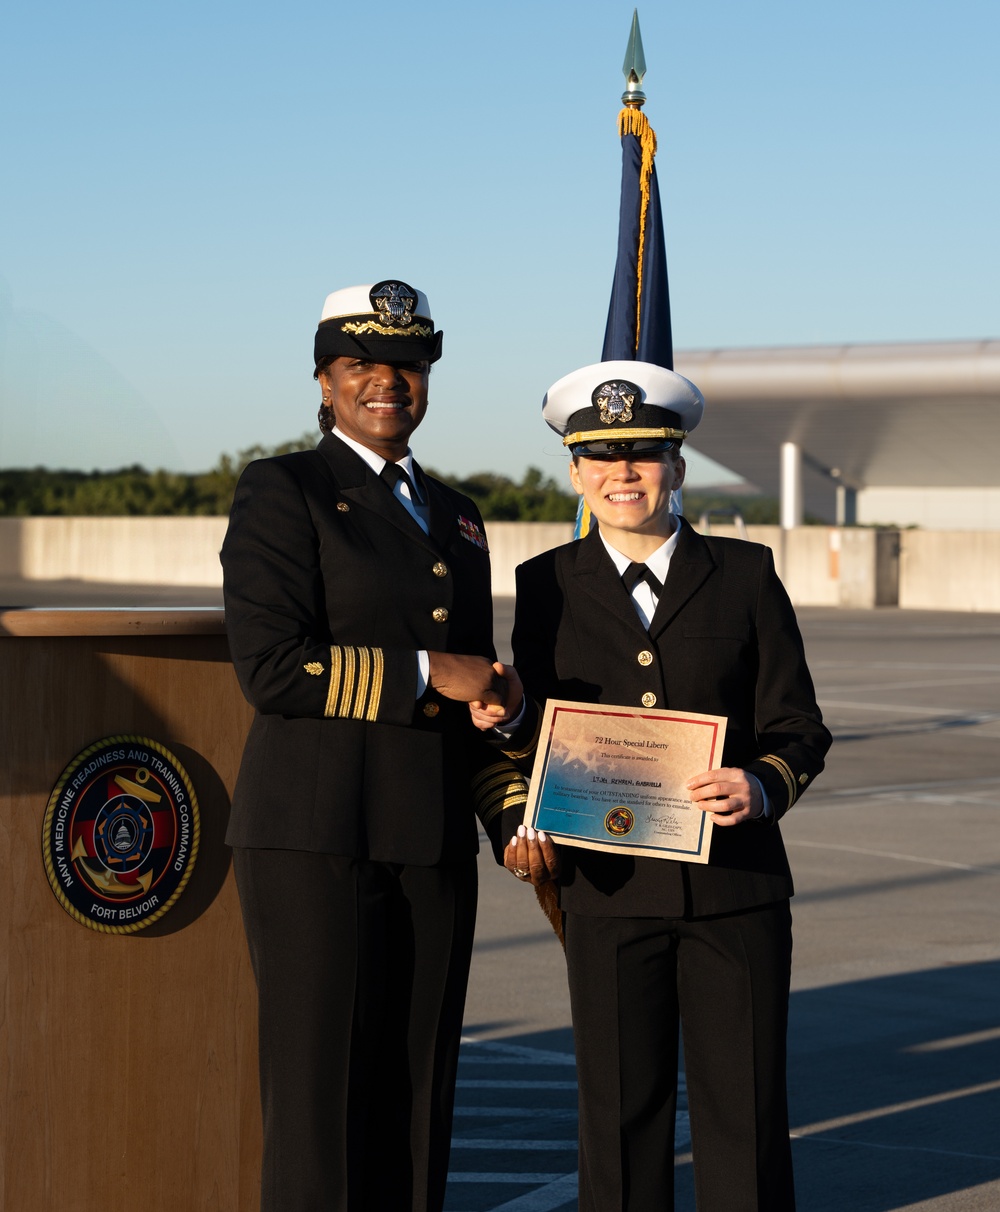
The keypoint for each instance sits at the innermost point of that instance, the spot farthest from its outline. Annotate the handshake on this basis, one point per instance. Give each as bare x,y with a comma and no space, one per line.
492,690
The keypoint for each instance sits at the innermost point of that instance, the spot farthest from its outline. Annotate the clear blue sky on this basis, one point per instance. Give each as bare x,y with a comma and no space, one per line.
185,182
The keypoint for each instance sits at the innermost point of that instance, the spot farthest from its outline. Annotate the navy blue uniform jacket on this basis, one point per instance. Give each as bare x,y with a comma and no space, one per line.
331,588
723,641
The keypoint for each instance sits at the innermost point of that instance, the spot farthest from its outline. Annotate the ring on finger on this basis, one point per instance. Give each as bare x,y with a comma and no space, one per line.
521,873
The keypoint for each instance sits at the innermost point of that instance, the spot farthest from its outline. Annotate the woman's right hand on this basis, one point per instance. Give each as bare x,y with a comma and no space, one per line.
485,716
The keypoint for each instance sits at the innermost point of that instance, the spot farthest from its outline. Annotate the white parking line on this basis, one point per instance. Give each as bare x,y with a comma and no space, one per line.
553,1113
958,713
913,1104
891,854
541,1056
561,1190
470,1083
956,1041
879,788
502,1145
490,1176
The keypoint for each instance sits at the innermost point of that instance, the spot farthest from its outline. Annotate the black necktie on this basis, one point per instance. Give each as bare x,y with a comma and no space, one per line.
393,474
639,572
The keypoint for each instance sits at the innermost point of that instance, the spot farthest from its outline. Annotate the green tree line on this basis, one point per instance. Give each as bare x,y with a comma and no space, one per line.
135,492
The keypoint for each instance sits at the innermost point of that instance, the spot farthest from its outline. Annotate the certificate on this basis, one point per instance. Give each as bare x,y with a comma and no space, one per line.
612,778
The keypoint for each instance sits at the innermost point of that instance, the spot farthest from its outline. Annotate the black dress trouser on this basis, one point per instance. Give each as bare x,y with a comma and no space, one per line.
361,972
725,979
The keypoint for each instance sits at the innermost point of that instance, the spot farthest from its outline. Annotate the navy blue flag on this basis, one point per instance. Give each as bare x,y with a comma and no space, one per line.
638,325
639,316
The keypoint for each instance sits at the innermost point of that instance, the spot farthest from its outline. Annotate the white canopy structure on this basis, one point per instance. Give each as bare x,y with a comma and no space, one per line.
894,434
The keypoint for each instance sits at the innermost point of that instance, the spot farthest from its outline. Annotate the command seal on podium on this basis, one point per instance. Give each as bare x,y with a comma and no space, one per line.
120,834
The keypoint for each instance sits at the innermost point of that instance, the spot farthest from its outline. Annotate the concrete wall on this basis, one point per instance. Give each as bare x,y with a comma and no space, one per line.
930,508
136,551
511,543
821,566
953,570
185,551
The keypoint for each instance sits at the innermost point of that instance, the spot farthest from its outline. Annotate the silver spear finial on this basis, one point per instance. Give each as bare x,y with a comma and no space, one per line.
634,67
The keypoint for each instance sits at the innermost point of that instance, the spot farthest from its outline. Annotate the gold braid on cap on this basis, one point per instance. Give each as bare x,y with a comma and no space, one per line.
621,435
363,327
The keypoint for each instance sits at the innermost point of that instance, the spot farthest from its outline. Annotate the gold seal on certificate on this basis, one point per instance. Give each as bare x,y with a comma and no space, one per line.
613,778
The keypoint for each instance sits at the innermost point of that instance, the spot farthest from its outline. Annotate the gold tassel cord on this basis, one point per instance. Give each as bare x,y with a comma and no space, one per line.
548,901
632,121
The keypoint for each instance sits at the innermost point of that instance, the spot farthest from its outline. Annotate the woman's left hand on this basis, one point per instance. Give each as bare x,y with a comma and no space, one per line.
532,857
727,795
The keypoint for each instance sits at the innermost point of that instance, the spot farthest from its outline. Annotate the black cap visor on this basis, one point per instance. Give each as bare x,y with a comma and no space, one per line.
641,448
422,344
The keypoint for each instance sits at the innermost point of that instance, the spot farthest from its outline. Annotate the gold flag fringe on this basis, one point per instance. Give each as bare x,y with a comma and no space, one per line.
632,121
585,521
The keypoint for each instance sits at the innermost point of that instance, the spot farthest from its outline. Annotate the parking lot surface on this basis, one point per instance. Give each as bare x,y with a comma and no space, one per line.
894,1069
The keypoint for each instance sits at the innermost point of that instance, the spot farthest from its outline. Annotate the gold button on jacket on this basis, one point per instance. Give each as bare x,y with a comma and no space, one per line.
649,699
431,710
440,569
645,657
439,615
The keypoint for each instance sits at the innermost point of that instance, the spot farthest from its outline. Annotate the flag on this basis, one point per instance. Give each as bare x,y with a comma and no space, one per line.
638,326
639,314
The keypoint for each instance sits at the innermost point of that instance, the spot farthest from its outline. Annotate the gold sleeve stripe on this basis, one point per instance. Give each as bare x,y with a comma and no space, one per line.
532,745
497,788
378,673
786,773
356,678
361,685
335,678
347,681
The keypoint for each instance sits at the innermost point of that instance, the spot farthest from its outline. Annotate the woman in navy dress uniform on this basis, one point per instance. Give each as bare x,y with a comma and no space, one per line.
358,608
646,612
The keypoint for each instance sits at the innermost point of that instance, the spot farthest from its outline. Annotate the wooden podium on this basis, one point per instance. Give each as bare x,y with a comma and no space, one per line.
128,1066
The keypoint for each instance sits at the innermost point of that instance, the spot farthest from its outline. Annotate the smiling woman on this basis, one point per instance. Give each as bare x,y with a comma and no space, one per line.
642,614
379,404
630,497
359,615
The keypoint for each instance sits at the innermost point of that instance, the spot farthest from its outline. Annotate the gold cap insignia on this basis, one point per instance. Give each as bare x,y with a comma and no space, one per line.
614,401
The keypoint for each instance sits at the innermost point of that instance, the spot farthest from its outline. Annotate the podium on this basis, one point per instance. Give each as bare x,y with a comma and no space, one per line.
128,1062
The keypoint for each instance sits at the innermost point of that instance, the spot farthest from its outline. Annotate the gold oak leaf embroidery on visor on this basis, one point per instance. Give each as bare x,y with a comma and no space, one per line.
366,326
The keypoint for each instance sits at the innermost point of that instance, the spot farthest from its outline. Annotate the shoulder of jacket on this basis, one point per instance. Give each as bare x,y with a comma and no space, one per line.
555,558
293,462
731,549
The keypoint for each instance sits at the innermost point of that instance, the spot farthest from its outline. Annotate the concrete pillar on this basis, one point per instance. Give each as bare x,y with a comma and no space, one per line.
847,506
791,485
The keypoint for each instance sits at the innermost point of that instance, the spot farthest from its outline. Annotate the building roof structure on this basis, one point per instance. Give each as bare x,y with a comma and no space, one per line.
901,416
